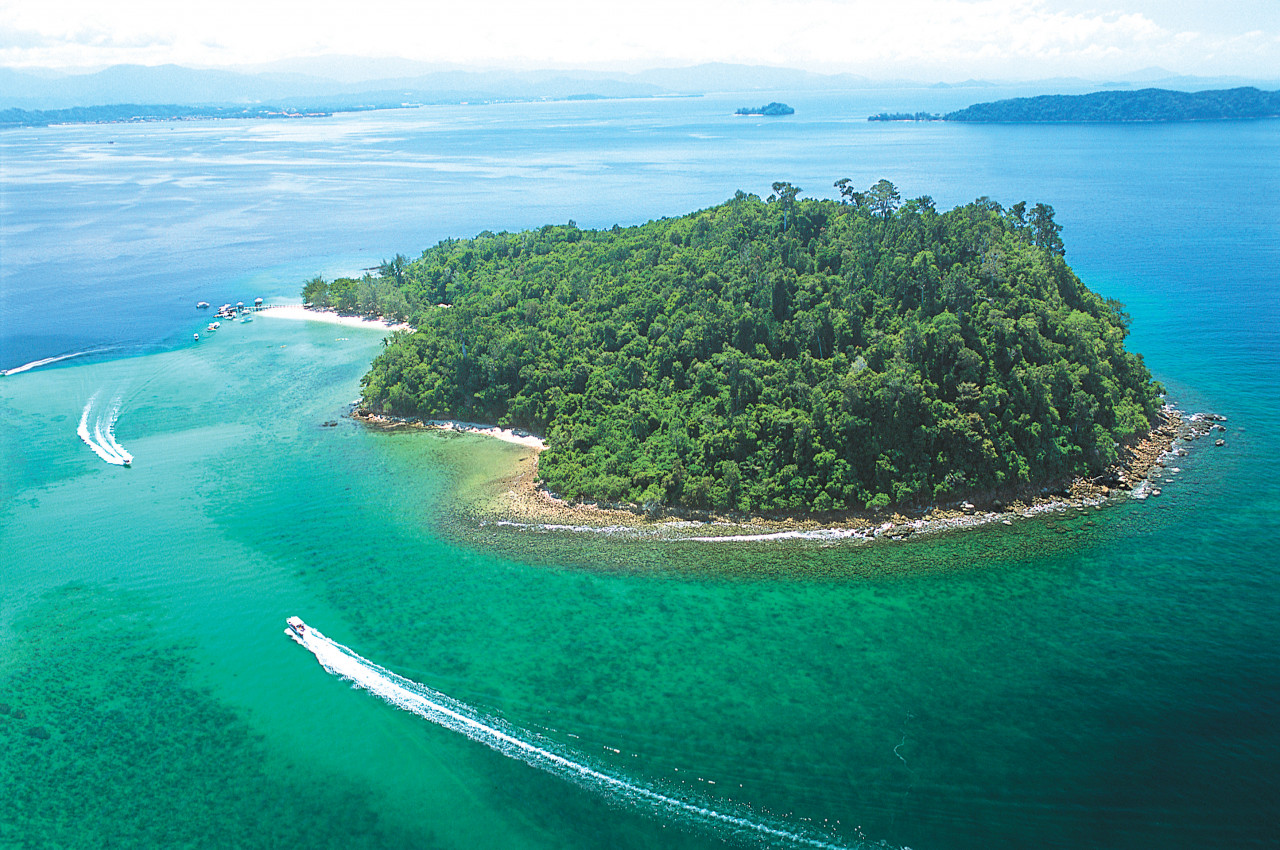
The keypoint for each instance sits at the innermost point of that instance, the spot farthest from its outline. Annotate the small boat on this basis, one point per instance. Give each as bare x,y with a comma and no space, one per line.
247,317
195,337
202,305
297,629
213,326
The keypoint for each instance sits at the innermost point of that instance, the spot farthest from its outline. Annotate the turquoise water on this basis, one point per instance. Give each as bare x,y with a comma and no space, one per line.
1099,678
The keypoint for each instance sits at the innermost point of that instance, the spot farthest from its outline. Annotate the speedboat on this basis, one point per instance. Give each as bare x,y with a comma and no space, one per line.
297,629
202,305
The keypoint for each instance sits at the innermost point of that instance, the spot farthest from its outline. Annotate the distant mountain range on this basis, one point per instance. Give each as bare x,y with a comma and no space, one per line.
336,82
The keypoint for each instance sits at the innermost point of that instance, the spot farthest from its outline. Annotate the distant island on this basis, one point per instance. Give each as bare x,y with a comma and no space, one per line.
777,355
1155,105
774,108
124,113
905,116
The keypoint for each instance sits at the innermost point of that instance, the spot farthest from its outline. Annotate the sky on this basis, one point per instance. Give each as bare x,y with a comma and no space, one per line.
936,39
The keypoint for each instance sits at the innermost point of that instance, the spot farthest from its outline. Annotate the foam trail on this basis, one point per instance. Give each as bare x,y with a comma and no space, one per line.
124,456
516,743
36,364
102,442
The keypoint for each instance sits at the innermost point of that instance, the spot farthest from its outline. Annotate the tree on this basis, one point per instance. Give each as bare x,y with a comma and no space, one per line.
786,194
883,198
393,269
1044,230
316,292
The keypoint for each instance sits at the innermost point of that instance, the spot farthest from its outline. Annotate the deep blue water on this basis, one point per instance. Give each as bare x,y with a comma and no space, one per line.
1100,685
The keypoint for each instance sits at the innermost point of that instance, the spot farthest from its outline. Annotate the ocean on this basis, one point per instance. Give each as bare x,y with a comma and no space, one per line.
1101,677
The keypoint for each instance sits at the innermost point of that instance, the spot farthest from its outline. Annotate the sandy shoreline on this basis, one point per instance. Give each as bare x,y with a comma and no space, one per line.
522,504
298,312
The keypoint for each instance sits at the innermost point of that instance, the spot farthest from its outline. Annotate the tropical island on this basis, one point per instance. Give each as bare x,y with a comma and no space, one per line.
1116,107
771,109
779,355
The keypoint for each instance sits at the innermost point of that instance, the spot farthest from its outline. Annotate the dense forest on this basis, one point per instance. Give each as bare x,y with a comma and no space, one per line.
782,354
1117,106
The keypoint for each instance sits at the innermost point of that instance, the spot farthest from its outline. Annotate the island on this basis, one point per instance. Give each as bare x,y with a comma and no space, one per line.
773,108
904,116
130,113
1125,106
779,355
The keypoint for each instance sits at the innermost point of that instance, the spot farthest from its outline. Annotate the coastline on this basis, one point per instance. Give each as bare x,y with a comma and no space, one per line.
297,312
520,503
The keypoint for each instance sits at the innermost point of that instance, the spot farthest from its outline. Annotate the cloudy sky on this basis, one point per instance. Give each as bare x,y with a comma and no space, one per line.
941,39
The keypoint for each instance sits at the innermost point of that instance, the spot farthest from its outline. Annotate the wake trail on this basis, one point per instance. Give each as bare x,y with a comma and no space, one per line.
102,439
516,743
36,364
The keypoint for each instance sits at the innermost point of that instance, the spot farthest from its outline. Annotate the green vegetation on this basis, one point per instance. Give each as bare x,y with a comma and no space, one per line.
904,116
779,354
369,296
1116,106
773,108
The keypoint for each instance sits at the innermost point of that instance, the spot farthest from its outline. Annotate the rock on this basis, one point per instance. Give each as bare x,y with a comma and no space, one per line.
19,714
39,733
4,708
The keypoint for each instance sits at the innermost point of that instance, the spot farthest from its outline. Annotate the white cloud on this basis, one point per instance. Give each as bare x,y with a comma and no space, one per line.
906,38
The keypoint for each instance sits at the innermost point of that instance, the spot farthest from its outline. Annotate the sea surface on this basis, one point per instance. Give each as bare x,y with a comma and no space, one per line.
1098,678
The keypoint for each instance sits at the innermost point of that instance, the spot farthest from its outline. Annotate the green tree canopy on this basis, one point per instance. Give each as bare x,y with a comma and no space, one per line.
801,355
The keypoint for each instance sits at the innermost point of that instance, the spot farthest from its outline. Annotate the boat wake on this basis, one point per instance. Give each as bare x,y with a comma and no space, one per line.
518,744
36,364
97,429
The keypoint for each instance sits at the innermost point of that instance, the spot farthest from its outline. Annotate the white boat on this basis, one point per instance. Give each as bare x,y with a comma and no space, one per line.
213,326
297,629
202,305
195,337
247,317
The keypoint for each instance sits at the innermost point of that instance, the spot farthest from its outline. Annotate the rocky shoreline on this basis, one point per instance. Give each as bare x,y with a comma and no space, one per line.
526,505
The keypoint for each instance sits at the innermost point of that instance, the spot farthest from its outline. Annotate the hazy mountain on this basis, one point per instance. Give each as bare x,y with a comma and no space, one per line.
337,81
179,85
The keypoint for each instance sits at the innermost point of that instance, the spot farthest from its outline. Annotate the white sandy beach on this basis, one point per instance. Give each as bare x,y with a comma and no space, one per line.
297,311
